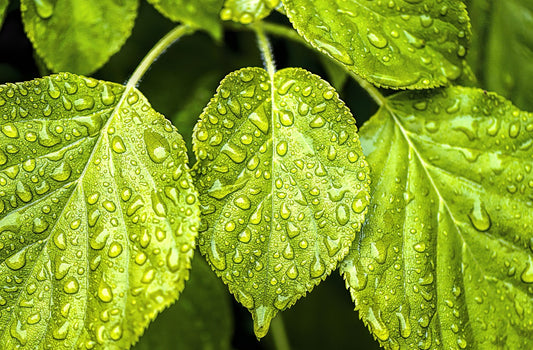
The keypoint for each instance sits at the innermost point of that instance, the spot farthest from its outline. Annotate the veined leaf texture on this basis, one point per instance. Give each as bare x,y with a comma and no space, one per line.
445,258
98,214
283,186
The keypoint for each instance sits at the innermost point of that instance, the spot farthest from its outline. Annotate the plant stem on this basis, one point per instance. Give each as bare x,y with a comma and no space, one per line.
163,44
291,34
279,335
266,50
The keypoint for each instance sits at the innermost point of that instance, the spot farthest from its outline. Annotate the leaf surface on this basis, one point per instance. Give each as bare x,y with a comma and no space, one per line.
196,13
283,186
445,260
502,50
77,35
412,44
3,8
247,11
98,214
201,319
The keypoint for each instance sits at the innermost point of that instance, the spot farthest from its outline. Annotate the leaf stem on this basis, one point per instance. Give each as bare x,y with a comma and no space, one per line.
291,34
266,49
156,51
279,335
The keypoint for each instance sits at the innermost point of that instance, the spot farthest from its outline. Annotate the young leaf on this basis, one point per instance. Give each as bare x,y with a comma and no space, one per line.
247,11
445,257
283,186
502,50
98,214
3,8
412,44
78,35
201,319
196,13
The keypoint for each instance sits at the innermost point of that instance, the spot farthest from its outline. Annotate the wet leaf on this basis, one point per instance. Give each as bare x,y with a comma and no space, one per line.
412,44
445,257
78,35
502,51
247,11
98,214
283,186
201,319
196,13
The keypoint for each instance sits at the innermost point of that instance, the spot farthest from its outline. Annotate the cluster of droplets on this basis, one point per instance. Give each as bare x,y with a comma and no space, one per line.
387,33
104,213
247,11
283,188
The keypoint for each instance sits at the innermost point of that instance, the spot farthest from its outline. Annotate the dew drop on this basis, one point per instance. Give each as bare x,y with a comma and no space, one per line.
71,285
377,40
157,146
335,50
16,261
479,217
117,144
317,267
44,8
105,293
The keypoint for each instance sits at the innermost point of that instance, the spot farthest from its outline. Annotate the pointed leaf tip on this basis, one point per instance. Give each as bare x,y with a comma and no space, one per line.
262,317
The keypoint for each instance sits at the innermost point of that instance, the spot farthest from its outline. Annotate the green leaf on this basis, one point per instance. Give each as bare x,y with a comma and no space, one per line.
502,50
412,44
247,11
98,214
201,318
3,8
283,186
336,74
196,13
78,35
445,258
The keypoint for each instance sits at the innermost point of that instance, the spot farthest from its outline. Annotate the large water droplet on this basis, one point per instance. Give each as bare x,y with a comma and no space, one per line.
479,217
336,51
105,293
44,8
71,285
16,261
157,146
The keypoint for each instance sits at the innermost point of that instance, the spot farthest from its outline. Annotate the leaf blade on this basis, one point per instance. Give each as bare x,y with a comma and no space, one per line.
87,205
389,46
247,11
60,30
197,13
273,201
436,253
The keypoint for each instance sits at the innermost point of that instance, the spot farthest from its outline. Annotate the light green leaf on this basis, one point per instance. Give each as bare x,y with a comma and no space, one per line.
283,186
445,260
98,214
247,11
3,8
196,13
502,50
412,44
201,319
78,35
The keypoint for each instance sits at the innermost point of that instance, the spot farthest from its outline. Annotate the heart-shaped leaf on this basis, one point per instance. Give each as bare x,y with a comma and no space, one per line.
98,214
283,186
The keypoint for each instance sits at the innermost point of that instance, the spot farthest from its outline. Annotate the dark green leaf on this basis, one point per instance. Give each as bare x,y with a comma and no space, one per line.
78,35
283,186
201,318
502,48
445,258
412,44
3,7
196,13
98,214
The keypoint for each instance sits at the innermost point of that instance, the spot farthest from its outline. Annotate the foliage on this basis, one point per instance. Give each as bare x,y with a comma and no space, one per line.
426,211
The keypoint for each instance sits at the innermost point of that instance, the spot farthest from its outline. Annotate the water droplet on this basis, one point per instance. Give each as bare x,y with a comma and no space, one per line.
44,8
379,328
286,118
10,130
39,225
234,152
71,285
157,146
158,205
114,250
360,202
34,318
148,276
23,192
342,214
117,144
260,120
284,211
62,172
336,51
116,333
281,148
216,257
377,40
317,267
59,240
61,332
245,236
105,293
242,202
84,103
479,217
16,261
527,274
